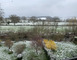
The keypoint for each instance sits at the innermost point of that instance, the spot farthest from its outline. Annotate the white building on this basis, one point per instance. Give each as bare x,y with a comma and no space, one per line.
42,18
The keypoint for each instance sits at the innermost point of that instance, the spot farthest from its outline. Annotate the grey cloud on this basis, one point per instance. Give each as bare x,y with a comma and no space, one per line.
61,8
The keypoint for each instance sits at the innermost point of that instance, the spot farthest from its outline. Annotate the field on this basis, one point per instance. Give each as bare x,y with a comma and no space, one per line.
16,28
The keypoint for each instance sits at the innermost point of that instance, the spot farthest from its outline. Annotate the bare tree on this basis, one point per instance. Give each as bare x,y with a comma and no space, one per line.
1,19
56,20
14,18
33,19
49,20
72,23
23,18
1,14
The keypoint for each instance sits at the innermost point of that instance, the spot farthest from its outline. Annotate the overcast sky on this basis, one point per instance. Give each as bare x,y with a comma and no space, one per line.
60,8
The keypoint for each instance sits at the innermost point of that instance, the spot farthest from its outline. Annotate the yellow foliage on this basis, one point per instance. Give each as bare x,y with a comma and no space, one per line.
45,41
50,44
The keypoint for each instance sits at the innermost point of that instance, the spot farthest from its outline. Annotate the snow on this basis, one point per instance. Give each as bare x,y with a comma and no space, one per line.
19,55
29,51
42,18
65,50
4,54
4,29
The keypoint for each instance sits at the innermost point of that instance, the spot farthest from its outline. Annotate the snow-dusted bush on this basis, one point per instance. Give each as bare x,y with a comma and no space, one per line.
65,50
8,43
4,54
19,48
30,54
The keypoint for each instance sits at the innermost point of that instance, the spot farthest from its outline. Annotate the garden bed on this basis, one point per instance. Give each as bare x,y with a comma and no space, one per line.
65,51
28,53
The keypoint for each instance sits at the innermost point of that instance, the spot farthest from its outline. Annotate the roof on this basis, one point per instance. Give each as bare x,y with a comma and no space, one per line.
42,18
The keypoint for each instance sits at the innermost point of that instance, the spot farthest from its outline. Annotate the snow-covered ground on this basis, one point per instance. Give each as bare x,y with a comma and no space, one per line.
65,50
14,28
4,29
4,54
28,53
40,23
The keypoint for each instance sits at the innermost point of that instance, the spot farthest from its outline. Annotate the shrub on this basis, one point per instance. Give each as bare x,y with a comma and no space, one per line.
30,54
41,32
57,37
19,48
8,43
37,45
50,44
35,35
13,36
